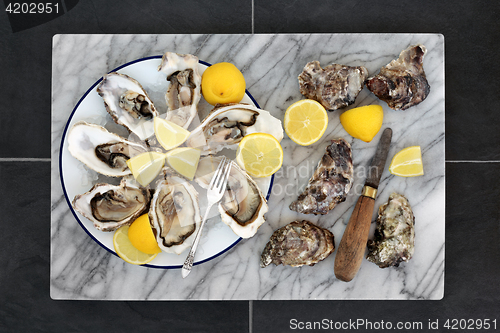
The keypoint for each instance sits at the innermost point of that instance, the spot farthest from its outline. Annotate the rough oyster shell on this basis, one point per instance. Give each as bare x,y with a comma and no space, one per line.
110,207
395,234
174,214
128,104
226,125
100,150
330,183
184,91
298,244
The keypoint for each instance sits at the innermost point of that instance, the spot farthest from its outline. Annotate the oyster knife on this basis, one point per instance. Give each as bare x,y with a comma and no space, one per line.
353,243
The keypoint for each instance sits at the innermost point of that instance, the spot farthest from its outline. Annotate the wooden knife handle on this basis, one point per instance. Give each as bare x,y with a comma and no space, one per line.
353,244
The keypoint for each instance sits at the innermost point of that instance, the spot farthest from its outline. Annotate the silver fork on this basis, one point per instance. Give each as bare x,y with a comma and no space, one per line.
214,194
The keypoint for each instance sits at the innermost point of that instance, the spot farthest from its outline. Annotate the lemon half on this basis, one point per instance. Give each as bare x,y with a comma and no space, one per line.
223,83
127,251
305,122
363,122
260,154
141,235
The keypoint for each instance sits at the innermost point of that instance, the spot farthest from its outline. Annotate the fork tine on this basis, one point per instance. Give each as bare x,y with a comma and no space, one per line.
219,182
218,173
227,170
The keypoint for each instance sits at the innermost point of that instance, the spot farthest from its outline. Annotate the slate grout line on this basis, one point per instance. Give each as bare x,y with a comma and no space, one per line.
253,17
250,316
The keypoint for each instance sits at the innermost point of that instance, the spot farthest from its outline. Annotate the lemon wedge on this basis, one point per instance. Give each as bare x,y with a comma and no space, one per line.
184,160
168,134
260,154
407,163
305,122
141,235
363,122
127,251
146,166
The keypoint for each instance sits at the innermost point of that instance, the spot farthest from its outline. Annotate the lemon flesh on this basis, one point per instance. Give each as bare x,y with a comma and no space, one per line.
184,161
363,122
146,166
305,122
223,83
407,163
259,154
127,251
141,235
168,134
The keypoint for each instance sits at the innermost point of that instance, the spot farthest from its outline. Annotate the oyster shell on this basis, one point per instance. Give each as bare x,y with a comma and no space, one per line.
298,244
226,125
402,83
112,206
100,150
184,91
243,205
128,104
174,214
395,233
335,86
330,183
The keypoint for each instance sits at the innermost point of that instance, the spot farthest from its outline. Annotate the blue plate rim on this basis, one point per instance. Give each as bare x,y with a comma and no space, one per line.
68,201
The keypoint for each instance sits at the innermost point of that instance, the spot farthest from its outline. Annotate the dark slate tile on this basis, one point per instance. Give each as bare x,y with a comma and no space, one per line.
26,55
472,265
470,28
24,278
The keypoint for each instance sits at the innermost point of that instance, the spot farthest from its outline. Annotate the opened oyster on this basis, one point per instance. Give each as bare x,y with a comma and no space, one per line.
112,206
395,234
100,150
335,86
243,205
174,214
298,244
128,104
402,83
184,91
226,125
330,183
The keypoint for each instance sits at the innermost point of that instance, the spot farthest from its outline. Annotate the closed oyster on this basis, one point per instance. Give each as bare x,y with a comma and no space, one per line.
330,183
110,207
335,86
184,91
226,125
402,83
100,150
128,104
243,205
298,244
174,214
395,234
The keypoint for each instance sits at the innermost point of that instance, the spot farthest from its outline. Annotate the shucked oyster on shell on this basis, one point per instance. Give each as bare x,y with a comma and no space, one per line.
227,124
110,207
184,91
330,182
100,150
243,205
395,234
298,244
174,214
128,104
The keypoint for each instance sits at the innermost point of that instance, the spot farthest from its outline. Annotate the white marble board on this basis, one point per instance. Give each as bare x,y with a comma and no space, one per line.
81,269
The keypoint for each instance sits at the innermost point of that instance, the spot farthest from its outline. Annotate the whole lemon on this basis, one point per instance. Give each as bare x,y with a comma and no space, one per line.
363,122
141,235
223,83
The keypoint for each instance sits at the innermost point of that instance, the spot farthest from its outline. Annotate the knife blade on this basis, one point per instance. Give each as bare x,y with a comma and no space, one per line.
353,243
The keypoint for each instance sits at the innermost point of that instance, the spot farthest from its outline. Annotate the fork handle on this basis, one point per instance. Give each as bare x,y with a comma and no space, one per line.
188,263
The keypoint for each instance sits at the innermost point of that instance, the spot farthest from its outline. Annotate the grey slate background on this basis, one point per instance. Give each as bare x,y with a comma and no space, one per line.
472,267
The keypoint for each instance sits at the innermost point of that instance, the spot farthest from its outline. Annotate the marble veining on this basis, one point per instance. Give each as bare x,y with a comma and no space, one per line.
81,269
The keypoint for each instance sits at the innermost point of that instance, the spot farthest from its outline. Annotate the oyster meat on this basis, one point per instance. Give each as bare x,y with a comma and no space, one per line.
395,233
330,183
100,150
174,214
335,86
243,205
402,83
110,207
184,91
128,104
298,244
